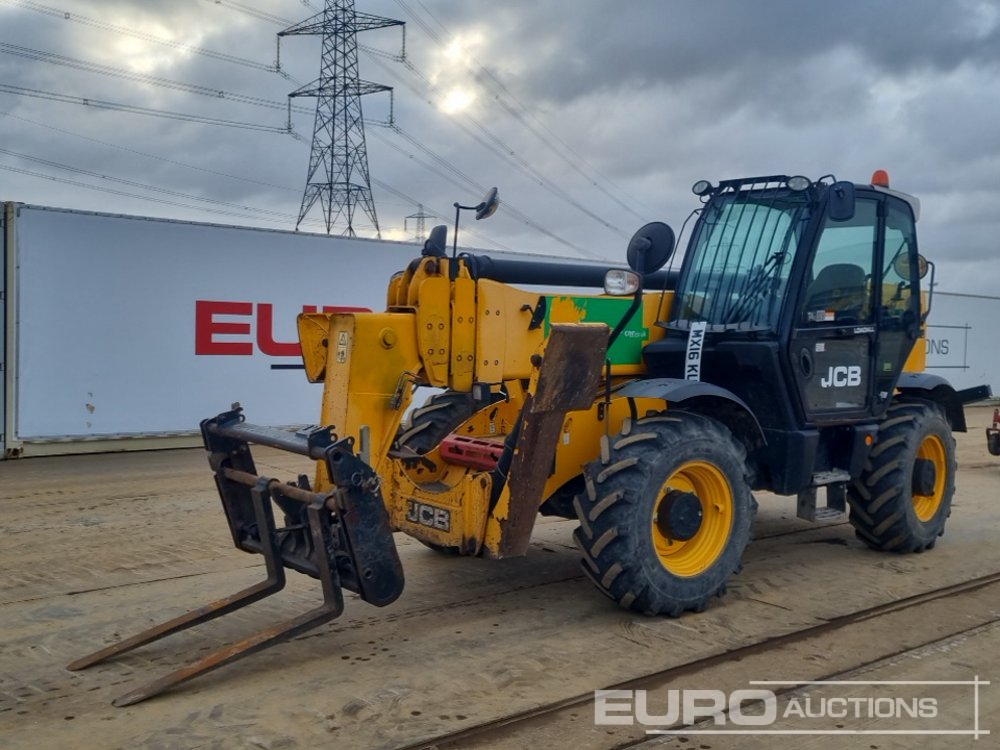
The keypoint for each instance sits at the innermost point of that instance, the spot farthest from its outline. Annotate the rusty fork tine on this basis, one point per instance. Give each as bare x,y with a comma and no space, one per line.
274,582
341,536
223,656
333,605
187,620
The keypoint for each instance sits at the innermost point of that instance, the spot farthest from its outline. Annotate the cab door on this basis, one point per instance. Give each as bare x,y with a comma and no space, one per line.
832,343
899,306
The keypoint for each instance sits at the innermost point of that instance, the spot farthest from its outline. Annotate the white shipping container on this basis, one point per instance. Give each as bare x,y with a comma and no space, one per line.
122,327
124,331
962,341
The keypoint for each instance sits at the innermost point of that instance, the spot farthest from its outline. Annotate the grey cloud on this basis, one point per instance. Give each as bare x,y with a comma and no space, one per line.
651,94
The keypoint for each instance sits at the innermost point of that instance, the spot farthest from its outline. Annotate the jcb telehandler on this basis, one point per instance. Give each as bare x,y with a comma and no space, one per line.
782,355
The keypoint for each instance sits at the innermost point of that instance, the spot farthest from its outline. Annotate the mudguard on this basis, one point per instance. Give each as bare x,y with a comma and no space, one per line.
714,402
936,388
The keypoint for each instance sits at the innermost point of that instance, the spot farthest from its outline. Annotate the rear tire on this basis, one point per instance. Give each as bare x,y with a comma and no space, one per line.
435,420
634,549
897,505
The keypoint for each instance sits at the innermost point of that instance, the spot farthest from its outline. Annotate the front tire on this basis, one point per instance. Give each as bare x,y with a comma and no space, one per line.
666,514
903,497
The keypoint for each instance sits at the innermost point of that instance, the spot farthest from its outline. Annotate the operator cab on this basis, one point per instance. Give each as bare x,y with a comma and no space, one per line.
804,298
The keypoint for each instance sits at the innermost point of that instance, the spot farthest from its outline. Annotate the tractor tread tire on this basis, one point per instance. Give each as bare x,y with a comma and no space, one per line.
433,422
616,511
881,498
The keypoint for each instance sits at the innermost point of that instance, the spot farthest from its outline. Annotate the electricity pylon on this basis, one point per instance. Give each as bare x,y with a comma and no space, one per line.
338,163
419,216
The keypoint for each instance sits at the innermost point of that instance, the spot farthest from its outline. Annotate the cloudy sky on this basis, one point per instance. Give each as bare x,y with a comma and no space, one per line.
591,117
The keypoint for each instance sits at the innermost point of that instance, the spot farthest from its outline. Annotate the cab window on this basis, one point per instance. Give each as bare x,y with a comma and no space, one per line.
899,277
839,289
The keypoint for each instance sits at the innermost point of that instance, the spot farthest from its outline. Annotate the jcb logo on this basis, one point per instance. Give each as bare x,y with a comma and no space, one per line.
842,377
429,515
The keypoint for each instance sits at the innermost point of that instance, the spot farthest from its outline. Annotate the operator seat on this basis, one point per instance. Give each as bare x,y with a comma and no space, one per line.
839,287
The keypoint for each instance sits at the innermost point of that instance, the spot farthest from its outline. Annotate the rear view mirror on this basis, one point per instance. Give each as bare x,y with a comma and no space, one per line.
489,205
902,266
841,201
650,248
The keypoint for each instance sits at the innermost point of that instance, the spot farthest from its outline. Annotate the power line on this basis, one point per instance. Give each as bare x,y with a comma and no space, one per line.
178,204
407,199
136,110
145,36
575,162
421,23
492,142
404,198
112,191
111,70
504,151
263,212
456,172
154,39
542,180
440,160
254,12
196,89
509,208
206,91
132,183
147,155
499,88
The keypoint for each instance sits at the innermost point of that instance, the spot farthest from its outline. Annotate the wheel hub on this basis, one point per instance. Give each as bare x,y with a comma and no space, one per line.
679,516
924,477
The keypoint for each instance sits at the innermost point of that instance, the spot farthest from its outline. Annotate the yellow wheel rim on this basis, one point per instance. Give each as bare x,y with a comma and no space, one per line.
697,554
932,449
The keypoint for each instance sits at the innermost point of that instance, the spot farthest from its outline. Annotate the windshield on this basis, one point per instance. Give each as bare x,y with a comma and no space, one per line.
740,259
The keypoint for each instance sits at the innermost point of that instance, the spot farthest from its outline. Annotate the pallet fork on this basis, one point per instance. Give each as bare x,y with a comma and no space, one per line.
342,538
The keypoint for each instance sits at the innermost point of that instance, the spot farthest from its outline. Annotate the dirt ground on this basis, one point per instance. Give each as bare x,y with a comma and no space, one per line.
477,653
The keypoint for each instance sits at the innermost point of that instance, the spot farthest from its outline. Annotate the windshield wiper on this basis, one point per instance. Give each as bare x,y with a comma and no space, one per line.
748,299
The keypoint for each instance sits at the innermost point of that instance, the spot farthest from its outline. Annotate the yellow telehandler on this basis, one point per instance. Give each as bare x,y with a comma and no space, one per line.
780,355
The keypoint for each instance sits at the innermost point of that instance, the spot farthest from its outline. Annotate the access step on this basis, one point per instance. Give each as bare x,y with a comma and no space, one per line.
836,498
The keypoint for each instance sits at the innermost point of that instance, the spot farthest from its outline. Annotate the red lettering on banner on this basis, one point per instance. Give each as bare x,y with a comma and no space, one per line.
265,335
206,327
